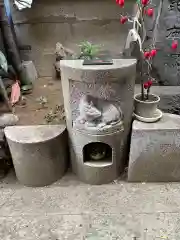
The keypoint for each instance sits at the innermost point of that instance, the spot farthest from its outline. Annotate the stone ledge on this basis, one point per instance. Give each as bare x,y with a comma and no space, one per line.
161,90
69,20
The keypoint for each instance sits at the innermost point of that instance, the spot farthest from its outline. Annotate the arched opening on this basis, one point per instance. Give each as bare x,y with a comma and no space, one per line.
97,153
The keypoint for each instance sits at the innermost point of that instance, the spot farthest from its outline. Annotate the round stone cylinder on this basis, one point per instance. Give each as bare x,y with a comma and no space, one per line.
39,153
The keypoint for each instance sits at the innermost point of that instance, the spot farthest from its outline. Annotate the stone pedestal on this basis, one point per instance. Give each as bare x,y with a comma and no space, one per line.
97,171
98,102
39,153
155,150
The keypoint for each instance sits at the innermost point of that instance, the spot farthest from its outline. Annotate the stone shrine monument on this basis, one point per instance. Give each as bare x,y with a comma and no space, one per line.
98,101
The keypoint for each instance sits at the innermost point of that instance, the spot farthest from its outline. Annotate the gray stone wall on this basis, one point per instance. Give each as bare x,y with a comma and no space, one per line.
69,22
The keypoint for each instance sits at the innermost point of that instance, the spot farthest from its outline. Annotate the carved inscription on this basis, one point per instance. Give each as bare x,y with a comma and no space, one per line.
167,64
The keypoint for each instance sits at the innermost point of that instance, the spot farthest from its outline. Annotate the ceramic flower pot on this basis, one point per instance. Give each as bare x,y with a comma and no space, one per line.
146,108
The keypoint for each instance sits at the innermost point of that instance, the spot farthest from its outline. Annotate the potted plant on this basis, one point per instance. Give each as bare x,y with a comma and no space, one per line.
88,50
147,108
146,103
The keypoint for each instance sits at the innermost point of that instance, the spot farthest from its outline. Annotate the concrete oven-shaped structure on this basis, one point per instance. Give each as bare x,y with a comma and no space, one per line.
98,101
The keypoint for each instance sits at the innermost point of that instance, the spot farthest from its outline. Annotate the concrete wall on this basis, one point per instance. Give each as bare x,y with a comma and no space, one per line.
69,22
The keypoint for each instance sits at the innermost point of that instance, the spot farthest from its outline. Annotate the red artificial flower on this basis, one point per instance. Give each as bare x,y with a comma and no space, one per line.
153,52
146,54
174,45
144,2
123,19
150,12
146,85
120,3
150,82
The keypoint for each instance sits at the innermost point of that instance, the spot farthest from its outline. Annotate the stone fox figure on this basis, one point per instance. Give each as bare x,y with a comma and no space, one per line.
97,110
61,53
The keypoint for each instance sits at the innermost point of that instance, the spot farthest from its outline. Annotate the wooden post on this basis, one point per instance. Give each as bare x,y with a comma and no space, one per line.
13,55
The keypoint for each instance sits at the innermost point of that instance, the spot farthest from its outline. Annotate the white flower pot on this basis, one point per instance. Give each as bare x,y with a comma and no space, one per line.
146,108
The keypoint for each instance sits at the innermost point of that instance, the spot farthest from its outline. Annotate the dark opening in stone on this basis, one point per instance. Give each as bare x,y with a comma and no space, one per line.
98,153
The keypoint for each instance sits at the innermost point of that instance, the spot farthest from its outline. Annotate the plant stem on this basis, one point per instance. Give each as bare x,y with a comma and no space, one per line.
142,86
141,35
148,90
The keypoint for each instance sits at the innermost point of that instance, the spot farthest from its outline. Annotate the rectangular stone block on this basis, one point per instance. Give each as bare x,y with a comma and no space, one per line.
155,150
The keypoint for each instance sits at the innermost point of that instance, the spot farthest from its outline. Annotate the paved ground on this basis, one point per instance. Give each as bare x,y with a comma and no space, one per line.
72,210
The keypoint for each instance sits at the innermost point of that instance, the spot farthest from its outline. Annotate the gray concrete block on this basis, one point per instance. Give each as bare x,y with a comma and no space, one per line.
39,153
155,150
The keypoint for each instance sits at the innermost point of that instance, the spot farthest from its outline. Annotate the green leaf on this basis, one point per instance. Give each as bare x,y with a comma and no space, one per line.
88,49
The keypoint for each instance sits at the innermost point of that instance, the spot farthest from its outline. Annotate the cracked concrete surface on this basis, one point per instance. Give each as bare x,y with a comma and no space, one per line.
72,210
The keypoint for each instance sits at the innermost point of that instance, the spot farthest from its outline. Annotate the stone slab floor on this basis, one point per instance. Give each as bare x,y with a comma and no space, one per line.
72,210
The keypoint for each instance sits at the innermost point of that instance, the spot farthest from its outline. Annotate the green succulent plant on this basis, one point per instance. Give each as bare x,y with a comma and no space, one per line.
88,50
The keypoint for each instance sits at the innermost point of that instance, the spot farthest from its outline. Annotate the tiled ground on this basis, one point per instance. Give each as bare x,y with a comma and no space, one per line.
72,210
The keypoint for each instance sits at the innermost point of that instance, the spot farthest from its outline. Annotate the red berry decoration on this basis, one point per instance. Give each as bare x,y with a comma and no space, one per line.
146,85
153,52
150,82
146,54
120,2
174,45
150,12
123,19
144,2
